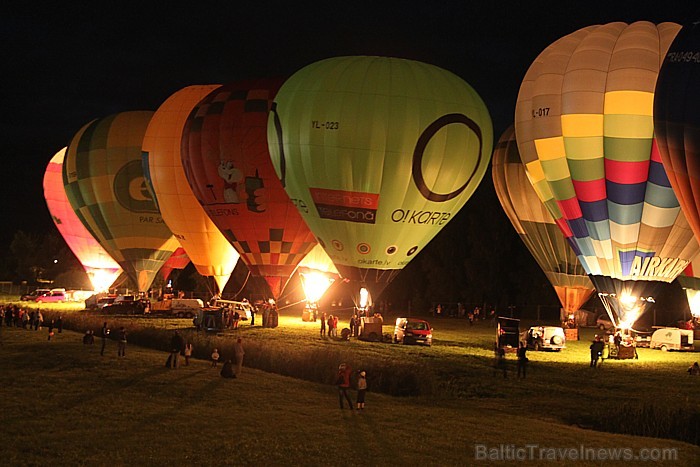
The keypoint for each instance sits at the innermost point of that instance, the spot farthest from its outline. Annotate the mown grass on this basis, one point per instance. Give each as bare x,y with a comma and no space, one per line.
560,385
64,404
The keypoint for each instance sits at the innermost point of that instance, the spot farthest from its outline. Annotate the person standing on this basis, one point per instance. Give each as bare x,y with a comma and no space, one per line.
59,324
342,380
177,345
596,351
51,324
361,390
121,349
522,360
352,325
188,353
238,354
500,355
323,324
104,332
214,358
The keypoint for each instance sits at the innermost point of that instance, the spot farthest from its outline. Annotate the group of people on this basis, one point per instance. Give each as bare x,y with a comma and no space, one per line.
460,311
15,316
343,381
331,322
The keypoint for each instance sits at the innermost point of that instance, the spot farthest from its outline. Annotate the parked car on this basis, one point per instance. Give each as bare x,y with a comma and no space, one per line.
672,339
244,309
54,296
127,305
604,324
413,331
544,338
34,294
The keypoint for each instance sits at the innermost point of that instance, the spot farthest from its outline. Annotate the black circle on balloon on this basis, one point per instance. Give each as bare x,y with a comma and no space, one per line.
422,143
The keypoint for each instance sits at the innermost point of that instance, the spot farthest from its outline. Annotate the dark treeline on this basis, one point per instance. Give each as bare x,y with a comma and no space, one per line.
477,259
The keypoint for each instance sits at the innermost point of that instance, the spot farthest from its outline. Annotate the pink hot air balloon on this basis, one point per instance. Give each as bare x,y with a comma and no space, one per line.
98,264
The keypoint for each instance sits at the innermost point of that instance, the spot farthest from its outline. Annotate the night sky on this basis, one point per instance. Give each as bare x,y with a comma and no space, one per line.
66,64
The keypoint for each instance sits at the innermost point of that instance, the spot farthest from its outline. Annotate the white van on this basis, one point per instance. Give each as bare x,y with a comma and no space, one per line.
672,339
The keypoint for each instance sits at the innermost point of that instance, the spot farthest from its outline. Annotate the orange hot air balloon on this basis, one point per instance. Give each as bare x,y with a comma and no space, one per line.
209,251
99,266
227,163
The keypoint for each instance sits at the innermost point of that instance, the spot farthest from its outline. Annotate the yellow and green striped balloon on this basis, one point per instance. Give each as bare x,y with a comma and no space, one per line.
105,184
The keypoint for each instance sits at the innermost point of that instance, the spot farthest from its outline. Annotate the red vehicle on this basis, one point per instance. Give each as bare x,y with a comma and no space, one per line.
413,331
54,296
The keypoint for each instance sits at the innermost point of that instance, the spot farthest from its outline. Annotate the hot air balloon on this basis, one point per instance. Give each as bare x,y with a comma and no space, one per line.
536,227
206,247
378,155
101,269
226,161
677,120
584,126
105,185
690,281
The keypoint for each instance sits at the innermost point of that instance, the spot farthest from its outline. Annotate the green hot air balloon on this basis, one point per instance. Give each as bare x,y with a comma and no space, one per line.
105,184
378,154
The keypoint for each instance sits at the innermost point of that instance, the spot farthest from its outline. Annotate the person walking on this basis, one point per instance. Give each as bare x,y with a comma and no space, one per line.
177,345
104,332
238,354
361,390
121,348
342,380
522,360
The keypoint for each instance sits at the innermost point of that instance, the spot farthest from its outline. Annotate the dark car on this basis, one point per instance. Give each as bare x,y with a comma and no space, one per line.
126,307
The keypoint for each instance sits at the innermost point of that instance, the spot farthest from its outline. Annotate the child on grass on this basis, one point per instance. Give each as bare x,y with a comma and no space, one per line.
214,357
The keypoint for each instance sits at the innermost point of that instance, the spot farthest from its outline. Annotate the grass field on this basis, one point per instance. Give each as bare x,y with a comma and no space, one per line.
90,409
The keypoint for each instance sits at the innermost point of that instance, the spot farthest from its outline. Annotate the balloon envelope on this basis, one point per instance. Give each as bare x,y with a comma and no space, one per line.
209,251
677,120
178,260
105,185
378,154
99,266
536,228
226,161
584,125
